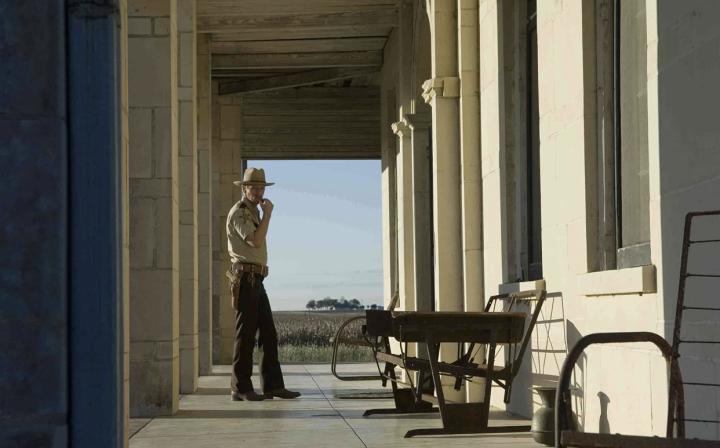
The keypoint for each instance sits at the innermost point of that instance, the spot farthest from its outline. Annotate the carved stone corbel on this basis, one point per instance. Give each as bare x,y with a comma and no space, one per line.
401,128
444,87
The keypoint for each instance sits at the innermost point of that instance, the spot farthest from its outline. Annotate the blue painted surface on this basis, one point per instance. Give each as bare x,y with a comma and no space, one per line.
60,339
33,250
96,367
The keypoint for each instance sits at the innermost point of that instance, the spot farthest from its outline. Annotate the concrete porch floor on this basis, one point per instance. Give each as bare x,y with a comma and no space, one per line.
209,419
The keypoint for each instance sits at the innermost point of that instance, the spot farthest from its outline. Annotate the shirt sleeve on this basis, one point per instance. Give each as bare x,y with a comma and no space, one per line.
244,224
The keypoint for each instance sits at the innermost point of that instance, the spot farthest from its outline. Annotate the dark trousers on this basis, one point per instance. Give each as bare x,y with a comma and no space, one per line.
254,316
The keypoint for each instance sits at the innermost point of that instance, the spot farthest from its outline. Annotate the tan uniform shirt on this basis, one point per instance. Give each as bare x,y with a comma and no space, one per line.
242,220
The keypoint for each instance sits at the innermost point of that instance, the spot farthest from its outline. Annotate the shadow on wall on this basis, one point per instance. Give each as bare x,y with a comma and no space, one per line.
579,378
544,357
604,422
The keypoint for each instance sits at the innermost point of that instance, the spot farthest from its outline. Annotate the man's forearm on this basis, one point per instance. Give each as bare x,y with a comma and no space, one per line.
261,231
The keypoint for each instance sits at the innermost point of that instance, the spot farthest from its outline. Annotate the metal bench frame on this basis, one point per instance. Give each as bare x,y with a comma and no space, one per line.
675,431
339,339
457,418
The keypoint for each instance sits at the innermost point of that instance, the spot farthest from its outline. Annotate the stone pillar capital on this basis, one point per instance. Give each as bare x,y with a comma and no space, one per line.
445,87
418,121
401,128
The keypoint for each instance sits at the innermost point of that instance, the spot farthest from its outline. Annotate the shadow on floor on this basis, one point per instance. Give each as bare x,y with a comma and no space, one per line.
226,391
286,414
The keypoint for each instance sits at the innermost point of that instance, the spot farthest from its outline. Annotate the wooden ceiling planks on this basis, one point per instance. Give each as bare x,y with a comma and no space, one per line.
209,8
312,123
269,51
298,60
299,45
297,21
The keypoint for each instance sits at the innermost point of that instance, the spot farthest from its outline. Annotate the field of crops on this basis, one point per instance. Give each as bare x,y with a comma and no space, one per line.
304,336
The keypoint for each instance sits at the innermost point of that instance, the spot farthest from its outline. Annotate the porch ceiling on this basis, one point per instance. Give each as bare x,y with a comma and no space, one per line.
262,45
311,123
332,49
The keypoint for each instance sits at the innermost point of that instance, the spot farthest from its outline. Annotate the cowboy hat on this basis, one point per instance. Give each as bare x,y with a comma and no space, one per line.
253,176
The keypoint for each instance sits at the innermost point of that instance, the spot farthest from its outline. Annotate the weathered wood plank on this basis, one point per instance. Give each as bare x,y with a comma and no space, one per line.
299,45
319,92
265,7
295,137
361,155
294,110
341,132
299,60
291,80
238,73
268,126
329,146
263,121
228,23
330,32
315,103
312,152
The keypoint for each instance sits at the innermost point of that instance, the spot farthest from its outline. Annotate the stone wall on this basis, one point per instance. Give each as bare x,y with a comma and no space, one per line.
580,301
227,167
187,185
154,208
684,142
204,203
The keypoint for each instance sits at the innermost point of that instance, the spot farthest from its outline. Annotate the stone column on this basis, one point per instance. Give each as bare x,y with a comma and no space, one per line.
154,208
492,123
403,162
227,167
389,206
421,222
470,155
403,172
217,230
204,203
471,190
442,92
187,131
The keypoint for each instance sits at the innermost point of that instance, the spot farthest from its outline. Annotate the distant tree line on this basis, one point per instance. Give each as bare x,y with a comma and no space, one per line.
341,304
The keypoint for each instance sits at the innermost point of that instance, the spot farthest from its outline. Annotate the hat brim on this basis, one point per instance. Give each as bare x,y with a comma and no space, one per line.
240,183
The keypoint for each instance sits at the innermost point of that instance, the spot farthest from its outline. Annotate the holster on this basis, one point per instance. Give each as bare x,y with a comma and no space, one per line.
235,279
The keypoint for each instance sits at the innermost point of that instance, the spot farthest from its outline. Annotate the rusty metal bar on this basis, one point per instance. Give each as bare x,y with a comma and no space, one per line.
563,407
704,241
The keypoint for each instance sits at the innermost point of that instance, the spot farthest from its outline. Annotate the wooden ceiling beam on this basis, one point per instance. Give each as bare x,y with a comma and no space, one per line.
265,7
298,60
332,32
300,45
228,23
291,80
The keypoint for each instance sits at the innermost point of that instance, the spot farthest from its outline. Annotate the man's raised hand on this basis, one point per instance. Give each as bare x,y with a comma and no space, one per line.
266,206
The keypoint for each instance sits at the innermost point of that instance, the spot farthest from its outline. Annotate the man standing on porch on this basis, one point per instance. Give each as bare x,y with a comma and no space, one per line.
246,232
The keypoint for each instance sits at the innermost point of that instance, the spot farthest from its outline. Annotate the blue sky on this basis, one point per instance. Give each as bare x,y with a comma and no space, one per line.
325,234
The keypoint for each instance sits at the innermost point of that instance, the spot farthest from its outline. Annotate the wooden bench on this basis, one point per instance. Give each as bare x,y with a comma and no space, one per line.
430,329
